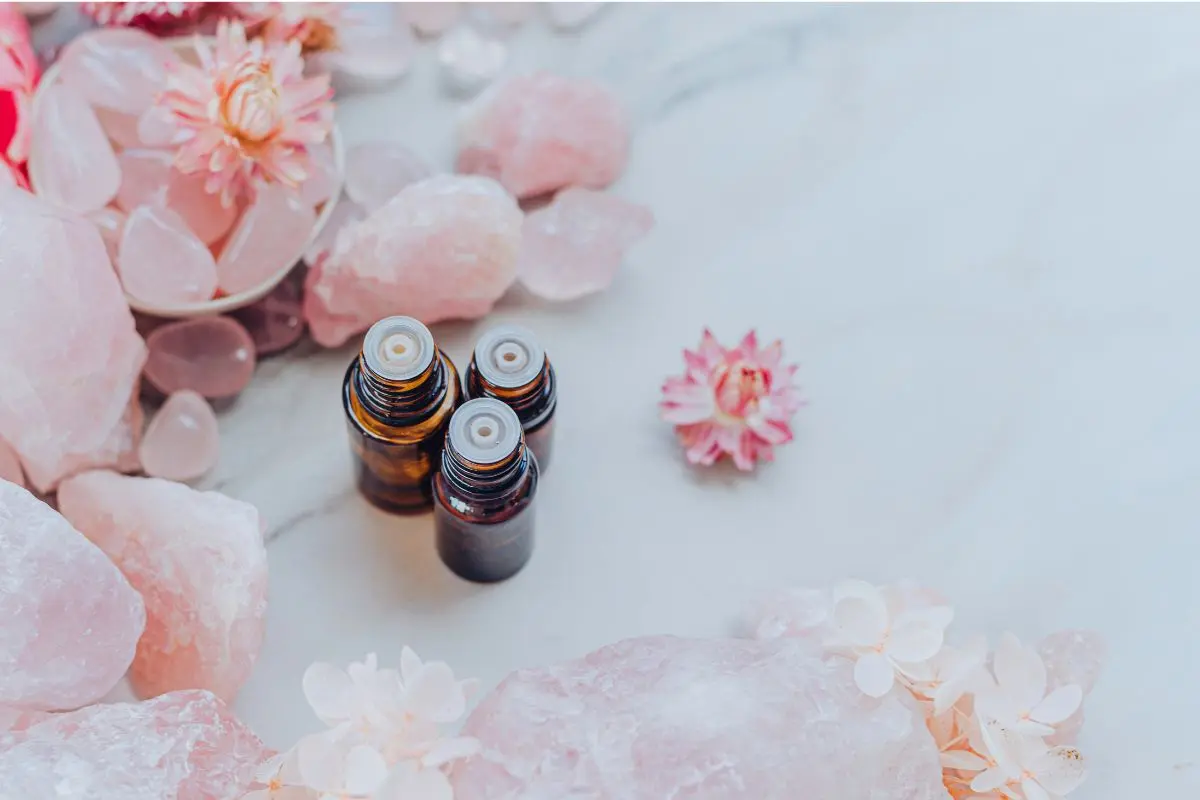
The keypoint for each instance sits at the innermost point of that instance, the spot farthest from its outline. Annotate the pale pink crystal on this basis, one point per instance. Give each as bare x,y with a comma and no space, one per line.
69,353
470,60
213,356
322,182
117,68
122,129
444,248
269,237
793,613
571,16
574,246
501,15
181,441
201,210
375,43
10,465
276,322
161,262
184,746
1072,656
431,19
541,132
71,160
71,621
110,222
345,214
143,178
120,450
731,719
378,171
198,560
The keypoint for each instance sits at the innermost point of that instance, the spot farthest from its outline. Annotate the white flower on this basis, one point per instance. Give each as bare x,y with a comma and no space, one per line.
952,673
339,770
280,780
362,697
1027,764
1019,699
430,690
886,631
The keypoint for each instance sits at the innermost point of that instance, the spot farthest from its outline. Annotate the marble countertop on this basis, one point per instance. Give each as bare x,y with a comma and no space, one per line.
974,227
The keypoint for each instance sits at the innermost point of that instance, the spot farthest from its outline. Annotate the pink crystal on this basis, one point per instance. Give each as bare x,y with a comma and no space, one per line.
71,161
444,248
200,210
213,356
181,441
502,15
541,132
143,178
276,322
730,719
378,171
110,222
574,246
323,181
122,129
161,262
155,127
572,16
345,214
119,68
10,465
184,745
1073,656
470,60
69,353
120,450
375,43
71,621
431,19
198,560
268,237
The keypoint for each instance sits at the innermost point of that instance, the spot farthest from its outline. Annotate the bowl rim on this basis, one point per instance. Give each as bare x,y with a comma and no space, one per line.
219,305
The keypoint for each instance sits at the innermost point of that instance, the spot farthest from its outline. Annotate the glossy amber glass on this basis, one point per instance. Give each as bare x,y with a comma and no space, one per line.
535,404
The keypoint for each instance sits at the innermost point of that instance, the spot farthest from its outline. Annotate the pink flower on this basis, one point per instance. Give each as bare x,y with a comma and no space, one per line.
737,401
18,78
313,25
247,113
154,17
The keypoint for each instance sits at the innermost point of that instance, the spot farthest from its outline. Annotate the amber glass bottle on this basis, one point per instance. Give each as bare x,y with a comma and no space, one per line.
484,495
510,365
399,395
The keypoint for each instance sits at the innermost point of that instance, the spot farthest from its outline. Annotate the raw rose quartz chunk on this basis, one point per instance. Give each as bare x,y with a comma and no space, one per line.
574,246
10,465
1072,656
444,248
120,450
71,620
375,43
143,178
541,132
572,16
181,441
198,560
213,356
161,262
110,222
728,719
118,68
797,613
323,182
268,237
71,160
378,171
276,322
431,19
183,745
199,209
69,353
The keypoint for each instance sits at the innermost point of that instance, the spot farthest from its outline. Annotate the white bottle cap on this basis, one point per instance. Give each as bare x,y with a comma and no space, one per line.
509,356
398,348
485,431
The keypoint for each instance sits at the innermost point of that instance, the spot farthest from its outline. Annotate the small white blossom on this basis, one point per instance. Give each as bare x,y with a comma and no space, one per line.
1018,699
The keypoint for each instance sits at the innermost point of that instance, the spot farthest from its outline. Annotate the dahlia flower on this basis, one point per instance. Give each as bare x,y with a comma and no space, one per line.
735,401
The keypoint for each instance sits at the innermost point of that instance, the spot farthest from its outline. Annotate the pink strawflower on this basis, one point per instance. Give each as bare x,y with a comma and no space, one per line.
313,25
154,17
737,402
246,113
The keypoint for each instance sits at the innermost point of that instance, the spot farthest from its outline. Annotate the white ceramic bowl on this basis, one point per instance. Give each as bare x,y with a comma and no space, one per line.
287,259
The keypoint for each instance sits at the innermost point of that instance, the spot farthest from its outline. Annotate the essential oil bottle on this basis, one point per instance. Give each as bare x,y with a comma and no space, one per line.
484,495
510,365
399,396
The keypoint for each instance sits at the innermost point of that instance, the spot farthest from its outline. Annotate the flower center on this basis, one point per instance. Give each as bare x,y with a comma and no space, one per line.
739,387
317,36
251,106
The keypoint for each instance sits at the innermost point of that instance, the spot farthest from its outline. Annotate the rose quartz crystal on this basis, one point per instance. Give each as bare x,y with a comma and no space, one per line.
345,214
198,560
731,719
161,262
541,132
572,16
444,248
213,356
268,237
181,441
110,222
143,178
323,181
431,19
122,129
574,246
71,161
1072,656
183,746
71,620
375,43
10,465
276,322
119,68
377,171
199,209
69,353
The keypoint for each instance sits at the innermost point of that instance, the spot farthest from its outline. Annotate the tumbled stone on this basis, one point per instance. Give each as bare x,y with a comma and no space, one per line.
155,127
572,16
161,263
431,19
276,322
378,171
575,246
69,353
268,237
199,209
323,180
720,719
185,745
344,214
444,248
213,356
469,60
122,129
119,68
110,222
71,620
181,442
541,132
198,560
10,465
71,161
375,43
143,178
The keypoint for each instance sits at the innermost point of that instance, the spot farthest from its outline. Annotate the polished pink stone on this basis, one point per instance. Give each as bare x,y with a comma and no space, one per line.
213,356
199,561
718,719
431,19
574,246
71,160
161,262
117,68
200,209
155,127
542,132
10,465
143,178
71,620
69,354
444,248
344,214
572,16
323,180
181,442
110,222
271,235
276,322
377,171
122,129
184,746
375,43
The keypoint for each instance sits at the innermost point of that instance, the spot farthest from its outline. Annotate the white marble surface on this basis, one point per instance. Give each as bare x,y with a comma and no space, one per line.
975,227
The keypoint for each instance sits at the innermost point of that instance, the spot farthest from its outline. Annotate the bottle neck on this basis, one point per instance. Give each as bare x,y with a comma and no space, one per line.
533,402
490,481
401,403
